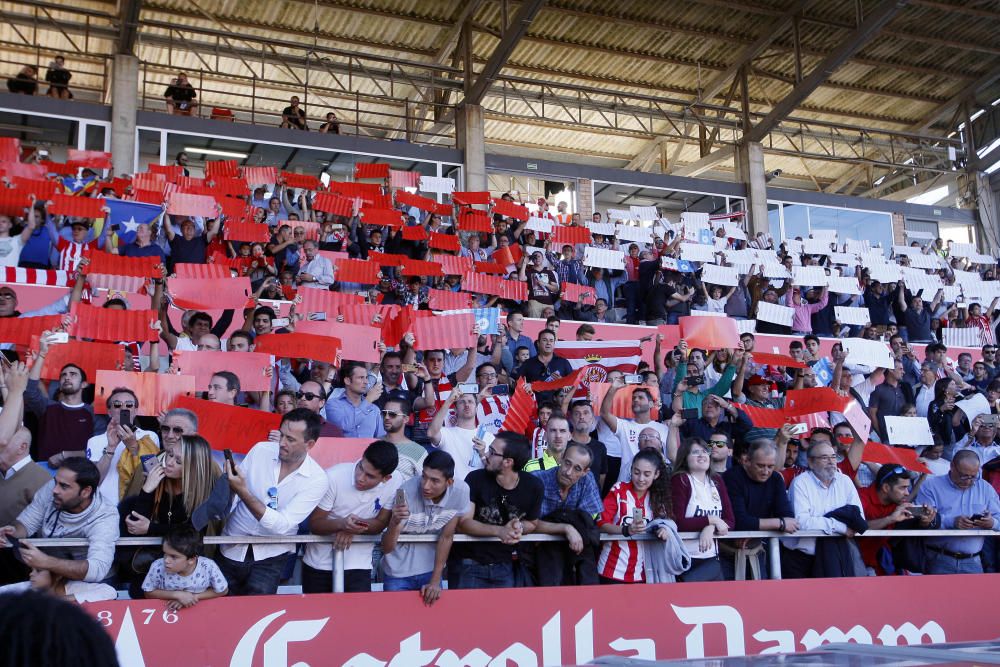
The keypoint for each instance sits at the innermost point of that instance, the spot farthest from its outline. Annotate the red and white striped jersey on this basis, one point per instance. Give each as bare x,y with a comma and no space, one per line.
623,560
538,442
491,412
71,252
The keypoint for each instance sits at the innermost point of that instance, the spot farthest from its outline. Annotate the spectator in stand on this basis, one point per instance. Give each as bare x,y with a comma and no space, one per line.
189,247
65,424
317,272
58,79
460,440
757,495
546,365
981,439
277,486
887,400
223,387
543,284
11,244
700,504
69,506
887,504
331,126
815,494
515,337
181,160
506,503
916,318
965,502
395,415
293,116
354,411
180,96
985,322
803,310
26,81
358,501
557,436
312,396
143,245
582,422
628,431
629,509
118,452
184,577
432,503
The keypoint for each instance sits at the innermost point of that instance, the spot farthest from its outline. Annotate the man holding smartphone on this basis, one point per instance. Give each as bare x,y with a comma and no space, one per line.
118,451
886,505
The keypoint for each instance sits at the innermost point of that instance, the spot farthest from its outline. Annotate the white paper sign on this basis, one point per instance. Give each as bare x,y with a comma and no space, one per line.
919,260
793,246
775,270
967,277
871,353
644,212
706,313
842,285
852,315
602,228
856,245
917,281
619,214
696,252
634,234
962,249
734,232
746,326
884,273
816,247
605,259
775,314
720,275
825,234
810,276
974,406
844,258
982,259
692,219
918,236
537,224
909,431
962,337
437,184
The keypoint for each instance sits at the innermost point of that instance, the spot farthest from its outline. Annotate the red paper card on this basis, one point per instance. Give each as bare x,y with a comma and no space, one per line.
91,357
334,204
10,149
189,182
312,228
447,242
443,209
120,265
404,179
888,455
91,159
156,391
49,167
448,300
815,399
570,236
300,346
369,192
218,294
368,314
521,410
578,294
149,181
325,301
776,360
201,271
171,172
358,342
260,175
453,265
113,326
510,209
416,201
509,255
42,189
249,232
229,426
491,267
77,206
148,196
13,202
444,332
414,233
360,271
478,283
475,221
21,330
231,187
710,333
301,181
217,169
249,367
471,198
368,170
196,205
514,290
383,217
418,267
386,259
328,452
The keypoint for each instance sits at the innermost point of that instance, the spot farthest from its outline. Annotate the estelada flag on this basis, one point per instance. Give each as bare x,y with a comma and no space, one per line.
621,355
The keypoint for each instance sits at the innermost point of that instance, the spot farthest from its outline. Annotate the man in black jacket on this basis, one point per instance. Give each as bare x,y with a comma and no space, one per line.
760,502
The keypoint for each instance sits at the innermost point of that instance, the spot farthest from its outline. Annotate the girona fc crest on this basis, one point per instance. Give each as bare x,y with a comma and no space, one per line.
593,374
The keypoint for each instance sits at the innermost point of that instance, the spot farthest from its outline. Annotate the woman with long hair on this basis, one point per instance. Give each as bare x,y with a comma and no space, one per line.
180,480
627,509
700,504
942,414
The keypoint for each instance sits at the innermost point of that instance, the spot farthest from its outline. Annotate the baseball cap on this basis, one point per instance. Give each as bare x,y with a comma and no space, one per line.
757,380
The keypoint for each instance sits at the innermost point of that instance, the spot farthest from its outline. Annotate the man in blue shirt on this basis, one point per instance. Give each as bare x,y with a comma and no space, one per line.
516,339
965,501
352,411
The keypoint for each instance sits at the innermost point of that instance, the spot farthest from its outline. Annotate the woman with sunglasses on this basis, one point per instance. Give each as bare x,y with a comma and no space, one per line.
179,480
700,504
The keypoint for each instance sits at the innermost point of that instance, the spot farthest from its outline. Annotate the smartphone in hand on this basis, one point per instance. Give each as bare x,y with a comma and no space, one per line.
228,453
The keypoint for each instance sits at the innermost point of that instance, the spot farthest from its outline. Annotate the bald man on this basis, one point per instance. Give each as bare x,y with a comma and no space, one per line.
20,478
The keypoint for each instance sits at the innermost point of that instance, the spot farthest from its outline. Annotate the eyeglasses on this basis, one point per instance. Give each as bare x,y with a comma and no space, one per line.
272,497
968,478
118,405
176,430
7,295
829,458
719,443
488,376
896,471
308,395
392,414
649,436
492,452
698,452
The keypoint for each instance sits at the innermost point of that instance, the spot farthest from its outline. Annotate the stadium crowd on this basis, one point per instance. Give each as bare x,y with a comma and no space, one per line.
395,328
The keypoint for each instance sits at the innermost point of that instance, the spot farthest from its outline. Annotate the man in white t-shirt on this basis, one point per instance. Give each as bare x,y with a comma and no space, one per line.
11,244
628,430
106,449
458,440
358,502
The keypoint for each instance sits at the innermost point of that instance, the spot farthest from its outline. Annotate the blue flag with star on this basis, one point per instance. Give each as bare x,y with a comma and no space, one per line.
128,215
78,186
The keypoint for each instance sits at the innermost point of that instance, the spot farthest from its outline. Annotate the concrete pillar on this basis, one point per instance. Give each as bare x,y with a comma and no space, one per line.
124,104
470,133
989,223
899,229
750,171
585,199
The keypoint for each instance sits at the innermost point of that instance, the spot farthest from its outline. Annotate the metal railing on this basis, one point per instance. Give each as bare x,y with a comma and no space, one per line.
773,542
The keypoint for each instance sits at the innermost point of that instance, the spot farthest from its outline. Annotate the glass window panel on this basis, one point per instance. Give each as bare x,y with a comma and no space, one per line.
774,220
796,221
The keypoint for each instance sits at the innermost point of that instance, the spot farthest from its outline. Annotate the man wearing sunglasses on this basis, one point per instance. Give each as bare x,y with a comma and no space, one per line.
312,397
118,451
965,501
887,506
395,415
